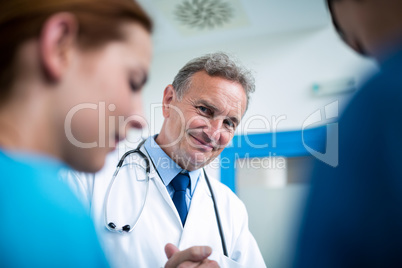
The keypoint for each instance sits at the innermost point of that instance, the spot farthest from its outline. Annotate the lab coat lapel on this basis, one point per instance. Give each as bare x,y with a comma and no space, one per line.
162,189
201,227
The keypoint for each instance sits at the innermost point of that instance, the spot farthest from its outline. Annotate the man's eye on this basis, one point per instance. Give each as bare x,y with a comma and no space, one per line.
229,123
204,110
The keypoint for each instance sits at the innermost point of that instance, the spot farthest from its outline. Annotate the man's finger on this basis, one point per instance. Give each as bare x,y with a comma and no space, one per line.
193,254
170,249
208,264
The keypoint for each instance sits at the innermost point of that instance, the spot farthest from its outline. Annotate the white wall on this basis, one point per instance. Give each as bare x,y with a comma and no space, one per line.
285,66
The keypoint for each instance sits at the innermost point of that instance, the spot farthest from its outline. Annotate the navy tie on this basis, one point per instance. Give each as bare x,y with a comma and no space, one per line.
180,184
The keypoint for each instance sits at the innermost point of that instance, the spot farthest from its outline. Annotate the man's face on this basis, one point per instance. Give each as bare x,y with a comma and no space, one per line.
199,126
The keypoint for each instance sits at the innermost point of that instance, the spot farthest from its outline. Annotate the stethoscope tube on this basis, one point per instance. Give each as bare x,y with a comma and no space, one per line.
111,226
127,228
218,219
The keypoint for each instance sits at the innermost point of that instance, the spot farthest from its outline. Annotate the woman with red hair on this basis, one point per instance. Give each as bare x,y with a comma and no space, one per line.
66,68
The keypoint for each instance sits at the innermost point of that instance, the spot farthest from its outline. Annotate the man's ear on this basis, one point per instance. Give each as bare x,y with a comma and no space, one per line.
168,96
58,37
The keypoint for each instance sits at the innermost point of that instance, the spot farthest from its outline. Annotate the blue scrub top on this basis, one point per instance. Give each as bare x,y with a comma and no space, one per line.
353,216
42,223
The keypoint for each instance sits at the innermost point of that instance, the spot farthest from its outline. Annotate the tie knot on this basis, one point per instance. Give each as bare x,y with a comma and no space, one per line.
180,182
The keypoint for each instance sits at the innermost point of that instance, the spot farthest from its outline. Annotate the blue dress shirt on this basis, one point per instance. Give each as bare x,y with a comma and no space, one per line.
168,169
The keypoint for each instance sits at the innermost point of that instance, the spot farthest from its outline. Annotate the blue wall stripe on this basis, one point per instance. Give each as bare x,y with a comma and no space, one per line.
286,144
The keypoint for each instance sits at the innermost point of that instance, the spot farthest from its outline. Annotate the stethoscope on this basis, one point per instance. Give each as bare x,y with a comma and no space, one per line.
129,228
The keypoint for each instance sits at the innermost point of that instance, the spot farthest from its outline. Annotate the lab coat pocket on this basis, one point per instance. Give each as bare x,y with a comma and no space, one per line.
225,262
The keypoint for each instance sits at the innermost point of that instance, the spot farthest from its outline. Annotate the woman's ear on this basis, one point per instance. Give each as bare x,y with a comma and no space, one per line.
168,96
57,40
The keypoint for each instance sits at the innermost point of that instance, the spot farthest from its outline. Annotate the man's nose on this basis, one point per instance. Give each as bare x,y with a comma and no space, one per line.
214,129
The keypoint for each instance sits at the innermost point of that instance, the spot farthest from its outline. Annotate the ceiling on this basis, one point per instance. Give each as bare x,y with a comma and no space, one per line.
183,23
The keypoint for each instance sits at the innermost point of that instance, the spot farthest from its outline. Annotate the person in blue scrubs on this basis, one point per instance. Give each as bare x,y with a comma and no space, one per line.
353,216
66,68
44,225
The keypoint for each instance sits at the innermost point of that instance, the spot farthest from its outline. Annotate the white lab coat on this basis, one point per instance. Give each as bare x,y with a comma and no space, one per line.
160,223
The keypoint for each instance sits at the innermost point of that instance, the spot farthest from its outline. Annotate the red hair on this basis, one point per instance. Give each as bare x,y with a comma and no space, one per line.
98,21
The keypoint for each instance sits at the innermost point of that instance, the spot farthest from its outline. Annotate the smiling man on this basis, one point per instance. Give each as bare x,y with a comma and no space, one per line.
181,223
201,121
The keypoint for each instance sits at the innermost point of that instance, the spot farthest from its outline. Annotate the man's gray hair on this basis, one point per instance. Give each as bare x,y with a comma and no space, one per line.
214,64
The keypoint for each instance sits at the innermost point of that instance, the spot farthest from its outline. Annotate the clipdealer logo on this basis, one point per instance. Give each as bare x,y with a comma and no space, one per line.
330,112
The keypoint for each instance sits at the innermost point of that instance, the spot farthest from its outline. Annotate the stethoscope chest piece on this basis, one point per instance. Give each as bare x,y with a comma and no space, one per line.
127,192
